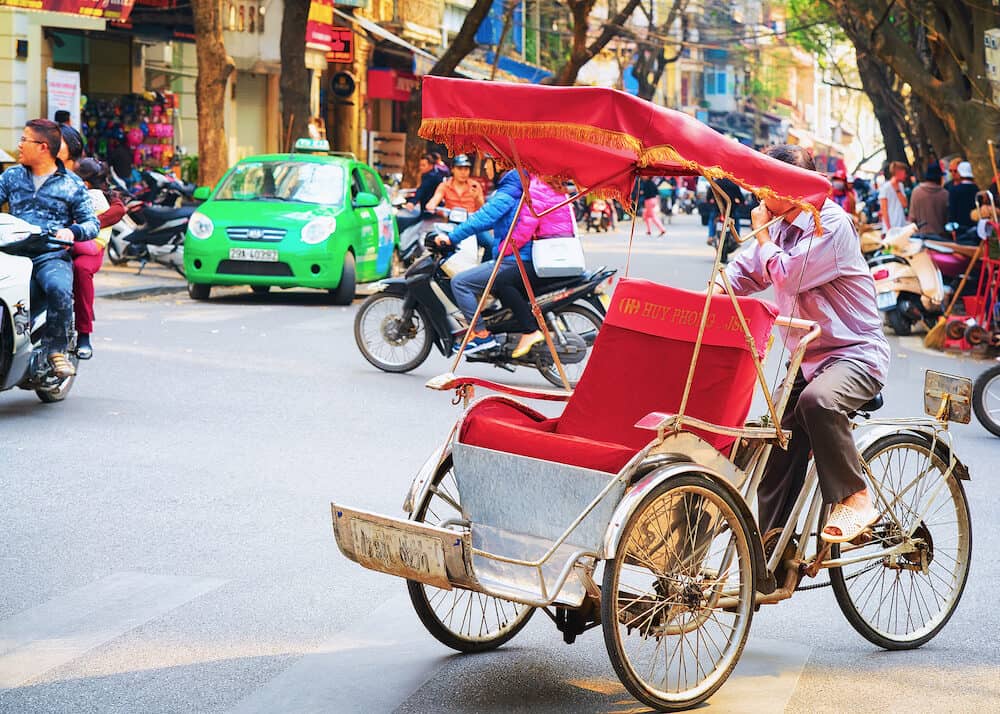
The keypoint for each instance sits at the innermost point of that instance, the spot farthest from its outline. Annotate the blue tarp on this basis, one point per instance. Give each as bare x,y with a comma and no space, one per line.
492,25
519,69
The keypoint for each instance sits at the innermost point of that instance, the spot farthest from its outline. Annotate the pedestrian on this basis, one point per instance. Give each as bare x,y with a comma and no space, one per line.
824,279
439,165
962,198
317,128
892,196
953,177
429,180
63,118
738,204
88,256
843,193
42,192
649,194
929,203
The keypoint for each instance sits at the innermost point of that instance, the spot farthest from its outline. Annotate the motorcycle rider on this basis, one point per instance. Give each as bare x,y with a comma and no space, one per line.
42,192
497,213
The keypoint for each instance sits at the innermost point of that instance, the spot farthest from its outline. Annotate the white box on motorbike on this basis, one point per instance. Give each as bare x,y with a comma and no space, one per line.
558,257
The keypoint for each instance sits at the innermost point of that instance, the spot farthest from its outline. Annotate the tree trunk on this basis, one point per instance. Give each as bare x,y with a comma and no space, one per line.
874,84
957,91
582,53
214,68
459,49
295,79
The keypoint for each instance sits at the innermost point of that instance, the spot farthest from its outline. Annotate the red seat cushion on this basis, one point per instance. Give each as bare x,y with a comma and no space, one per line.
503,426
639,365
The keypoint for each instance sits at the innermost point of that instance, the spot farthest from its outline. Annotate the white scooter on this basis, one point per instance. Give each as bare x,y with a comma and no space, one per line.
24,359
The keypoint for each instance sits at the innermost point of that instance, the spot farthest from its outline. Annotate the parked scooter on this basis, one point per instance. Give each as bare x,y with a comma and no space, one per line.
986,399
908,285
396,327
24,361
150,233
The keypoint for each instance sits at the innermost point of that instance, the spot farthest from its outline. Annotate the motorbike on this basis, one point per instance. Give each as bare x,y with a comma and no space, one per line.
909,286
24,359
599,215
396,327
150,233
164,189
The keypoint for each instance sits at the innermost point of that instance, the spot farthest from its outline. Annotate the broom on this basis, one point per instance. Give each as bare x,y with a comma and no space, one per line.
935,336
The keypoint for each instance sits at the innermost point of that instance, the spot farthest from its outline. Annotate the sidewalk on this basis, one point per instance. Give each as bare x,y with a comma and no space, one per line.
123,282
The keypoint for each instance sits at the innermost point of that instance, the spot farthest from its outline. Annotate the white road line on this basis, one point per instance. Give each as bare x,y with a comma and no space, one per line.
373,666
65,627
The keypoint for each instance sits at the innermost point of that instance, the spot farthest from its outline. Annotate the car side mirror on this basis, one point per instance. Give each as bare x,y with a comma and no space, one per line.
365,200
202,193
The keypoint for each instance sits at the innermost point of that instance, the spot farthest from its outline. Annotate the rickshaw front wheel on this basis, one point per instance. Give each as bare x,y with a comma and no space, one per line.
683,552
464,620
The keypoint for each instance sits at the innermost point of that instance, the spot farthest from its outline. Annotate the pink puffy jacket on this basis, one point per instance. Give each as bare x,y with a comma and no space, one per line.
556,224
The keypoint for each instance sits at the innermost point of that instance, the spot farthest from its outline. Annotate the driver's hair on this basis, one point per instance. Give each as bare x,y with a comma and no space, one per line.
791,154
47,131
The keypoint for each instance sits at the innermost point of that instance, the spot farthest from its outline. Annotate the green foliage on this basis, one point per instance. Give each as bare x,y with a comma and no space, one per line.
814,28
189,168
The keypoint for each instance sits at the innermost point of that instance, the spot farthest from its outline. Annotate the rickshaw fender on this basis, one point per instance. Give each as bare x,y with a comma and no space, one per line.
425,477
635,496
869,434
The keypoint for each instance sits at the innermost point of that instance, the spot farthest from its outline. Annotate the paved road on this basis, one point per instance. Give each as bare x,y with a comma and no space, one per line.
165,543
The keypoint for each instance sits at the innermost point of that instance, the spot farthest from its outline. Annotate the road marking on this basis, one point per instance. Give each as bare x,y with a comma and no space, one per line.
373,666
67,626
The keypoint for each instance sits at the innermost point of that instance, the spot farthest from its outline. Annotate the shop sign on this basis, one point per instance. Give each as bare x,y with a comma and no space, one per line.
342,84
108,9
341,46
391,84
319,25
64,93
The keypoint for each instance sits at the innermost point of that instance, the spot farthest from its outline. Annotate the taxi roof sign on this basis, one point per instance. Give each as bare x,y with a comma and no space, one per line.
306,145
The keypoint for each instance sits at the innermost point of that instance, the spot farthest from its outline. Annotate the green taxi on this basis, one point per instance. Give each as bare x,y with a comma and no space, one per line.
314,220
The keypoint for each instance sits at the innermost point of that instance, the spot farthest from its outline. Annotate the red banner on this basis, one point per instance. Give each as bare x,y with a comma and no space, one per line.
390,84
320,24
107,9
341,46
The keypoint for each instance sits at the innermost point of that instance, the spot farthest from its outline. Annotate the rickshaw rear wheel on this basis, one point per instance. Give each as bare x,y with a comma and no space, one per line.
677,599
464,620
901,602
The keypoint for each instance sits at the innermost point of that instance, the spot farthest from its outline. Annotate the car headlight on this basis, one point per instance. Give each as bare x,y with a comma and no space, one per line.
200,225
318,230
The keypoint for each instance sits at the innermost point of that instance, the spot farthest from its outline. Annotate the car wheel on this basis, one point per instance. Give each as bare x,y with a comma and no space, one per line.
199,291
344,293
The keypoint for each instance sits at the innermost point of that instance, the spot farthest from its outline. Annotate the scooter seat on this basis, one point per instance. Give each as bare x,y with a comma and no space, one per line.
156,216
873,404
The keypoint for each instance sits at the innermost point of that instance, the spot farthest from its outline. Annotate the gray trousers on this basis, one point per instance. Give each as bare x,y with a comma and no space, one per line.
817,417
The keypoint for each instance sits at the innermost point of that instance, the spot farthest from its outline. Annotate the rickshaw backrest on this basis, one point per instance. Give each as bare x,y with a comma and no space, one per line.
641,359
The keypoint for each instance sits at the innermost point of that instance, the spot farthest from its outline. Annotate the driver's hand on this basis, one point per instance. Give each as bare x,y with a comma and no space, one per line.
65,234
759,216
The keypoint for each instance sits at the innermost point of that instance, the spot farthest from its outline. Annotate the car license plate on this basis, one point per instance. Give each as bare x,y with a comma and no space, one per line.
886,301
398,552
260,255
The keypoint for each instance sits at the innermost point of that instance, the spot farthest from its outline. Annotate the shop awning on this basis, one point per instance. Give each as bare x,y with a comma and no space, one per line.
380,32
521,70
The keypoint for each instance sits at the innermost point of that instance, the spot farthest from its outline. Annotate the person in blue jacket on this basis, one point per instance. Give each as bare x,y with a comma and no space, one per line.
42,192
498,213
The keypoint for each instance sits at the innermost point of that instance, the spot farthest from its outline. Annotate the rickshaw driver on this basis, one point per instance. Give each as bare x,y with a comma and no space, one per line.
825,279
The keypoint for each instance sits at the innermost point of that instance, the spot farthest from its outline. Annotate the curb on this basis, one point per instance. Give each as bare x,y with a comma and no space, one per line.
136,293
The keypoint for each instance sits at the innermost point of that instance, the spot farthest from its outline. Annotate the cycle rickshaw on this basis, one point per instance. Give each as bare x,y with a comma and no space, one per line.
631,510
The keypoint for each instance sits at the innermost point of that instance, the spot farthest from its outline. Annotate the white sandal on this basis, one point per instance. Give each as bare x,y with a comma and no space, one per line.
849,521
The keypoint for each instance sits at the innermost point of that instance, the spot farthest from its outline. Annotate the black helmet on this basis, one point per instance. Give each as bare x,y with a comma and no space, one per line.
461,160
92,171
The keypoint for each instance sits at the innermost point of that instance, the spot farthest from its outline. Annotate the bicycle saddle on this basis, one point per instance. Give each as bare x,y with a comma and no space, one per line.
873,404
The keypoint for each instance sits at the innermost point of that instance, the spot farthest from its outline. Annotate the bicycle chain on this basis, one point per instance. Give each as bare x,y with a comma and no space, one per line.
827,584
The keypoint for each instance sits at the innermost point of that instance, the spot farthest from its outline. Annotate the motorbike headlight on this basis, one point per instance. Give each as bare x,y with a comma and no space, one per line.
200,225
318,230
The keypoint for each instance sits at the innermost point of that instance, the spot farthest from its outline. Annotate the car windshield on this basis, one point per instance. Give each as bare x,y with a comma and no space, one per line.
300,181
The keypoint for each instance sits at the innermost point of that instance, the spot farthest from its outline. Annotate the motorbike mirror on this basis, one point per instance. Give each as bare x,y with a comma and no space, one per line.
458,215
365,200
899,237
202,193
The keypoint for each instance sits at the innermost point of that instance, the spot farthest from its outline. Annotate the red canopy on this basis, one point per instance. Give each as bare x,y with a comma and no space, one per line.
600,138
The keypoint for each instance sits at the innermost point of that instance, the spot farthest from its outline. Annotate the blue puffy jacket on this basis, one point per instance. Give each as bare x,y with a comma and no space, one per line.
498,213
62,201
